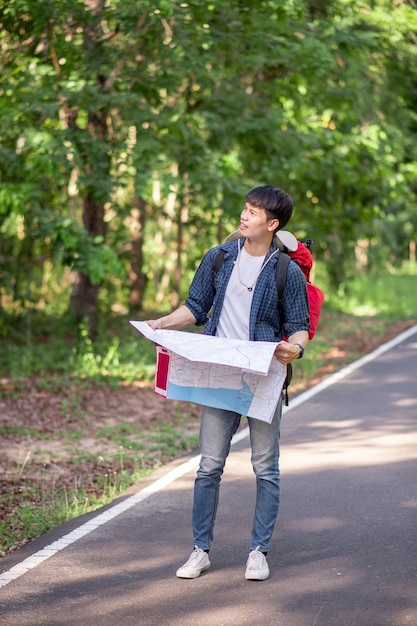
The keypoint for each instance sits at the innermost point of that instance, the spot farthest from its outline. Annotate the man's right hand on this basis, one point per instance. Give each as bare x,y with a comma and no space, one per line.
154,324
177,320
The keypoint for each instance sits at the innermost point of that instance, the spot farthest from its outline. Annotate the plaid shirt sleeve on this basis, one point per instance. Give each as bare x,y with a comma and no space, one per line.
202,290
295,302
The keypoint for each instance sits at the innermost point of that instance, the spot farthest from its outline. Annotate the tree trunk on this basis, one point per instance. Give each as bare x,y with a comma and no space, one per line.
137,278
84,303
412,251
84,297
181,220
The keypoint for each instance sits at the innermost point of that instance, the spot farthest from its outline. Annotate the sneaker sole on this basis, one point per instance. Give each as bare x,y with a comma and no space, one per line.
255,577
191,575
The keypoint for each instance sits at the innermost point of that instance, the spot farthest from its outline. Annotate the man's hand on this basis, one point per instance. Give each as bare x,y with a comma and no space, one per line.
177,320
286,352
154,324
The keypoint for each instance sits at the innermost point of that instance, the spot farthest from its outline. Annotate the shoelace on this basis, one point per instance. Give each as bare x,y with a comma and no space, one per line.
196,556
256,560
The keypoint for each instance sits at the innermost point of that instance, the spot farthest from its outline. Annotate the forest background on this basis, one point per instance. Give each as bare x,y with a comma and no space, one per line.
131,131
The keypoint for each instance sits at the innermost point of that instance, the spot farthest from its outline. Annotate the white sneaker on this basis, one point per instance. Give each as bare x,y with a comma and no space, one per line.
256,566
197,563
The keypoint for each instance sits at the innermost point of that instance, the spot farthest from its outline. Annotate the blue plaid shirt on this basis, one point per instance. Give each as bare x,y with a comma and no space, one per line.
208,289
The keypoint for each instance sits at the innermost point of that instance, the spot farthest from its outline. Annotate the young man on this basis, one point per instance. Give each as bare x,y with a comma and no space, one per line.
243,301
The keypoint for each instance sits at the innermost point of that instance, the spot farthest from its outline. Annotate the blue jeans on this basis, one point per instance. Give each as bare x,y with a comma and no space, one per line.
217,429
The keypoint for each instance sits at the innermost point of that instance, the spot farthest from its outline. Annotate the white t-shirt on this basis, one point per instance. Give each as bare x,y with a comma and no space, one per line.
234,318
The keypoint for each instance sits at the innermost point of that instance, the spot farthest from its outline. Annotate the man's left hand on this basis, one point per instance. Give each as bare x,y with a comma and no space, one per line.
287,352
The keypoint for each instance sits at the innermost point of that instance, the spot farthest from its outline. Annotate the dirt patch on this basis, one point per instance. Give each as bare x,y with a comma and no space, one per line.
43,423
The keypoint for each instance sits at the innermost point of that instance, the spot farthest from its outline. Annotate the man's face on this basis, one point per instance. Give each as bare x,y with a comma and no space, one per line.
254,223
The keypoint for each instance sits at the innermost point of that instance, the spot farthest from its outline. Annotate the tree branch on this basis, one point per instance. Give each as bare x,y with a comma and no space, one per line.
109,82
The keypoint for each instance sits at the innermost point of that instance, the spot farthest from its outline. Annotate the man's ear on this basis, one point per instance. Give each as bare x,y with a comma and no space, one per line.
273,225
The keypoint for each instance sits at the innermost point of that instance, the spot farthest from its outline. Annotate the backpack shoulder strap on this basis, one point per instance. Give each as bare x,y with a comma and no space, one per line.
281,281
218,261
281,274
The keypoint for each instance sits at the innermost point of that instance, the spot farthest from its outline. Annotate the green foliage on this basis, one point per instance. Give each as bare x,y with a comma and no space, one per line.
387,294
181,107
119,354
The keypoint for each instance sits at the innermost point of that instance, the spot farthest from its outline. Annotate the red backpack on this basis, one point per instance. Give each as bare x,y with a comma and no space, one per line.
303,257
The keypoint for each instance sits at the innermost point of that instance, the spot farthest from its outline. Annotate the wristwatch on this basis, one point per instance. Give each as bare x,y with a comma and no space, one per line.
300,356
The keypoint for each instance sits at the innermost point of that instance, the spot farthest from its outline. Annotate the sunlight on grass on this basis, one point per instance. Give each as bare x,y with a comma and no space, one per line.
391,293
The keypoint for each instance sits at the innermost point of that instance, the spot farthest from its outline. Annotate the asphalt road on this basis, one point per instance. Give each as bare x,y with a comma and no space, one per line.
344,551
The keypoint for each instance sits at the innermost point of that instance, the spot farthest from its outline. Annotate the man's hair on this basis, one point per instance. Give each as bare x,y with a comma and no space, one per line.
276,203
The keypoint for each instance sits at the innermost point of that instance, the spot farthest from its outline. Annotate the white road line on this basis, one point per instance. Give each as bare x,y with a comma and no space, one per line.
334,378
102,518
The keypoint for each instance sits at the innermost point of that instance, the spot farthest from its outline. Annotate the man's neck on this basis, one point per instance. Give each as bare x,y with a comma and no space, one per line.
258,247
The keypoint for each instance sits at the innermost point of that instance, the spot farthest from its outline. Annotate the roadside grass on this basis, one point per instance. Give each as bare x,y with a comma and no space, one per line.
39,501
54,359
44,505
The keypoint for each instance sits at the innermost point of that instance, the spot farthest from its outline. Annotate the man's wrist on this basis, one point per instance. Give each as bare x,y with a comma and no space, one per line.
301,349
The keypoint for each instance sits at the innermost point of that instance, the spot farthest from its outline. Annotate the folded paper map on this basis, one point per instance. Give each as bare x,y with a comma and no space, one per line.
233,374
